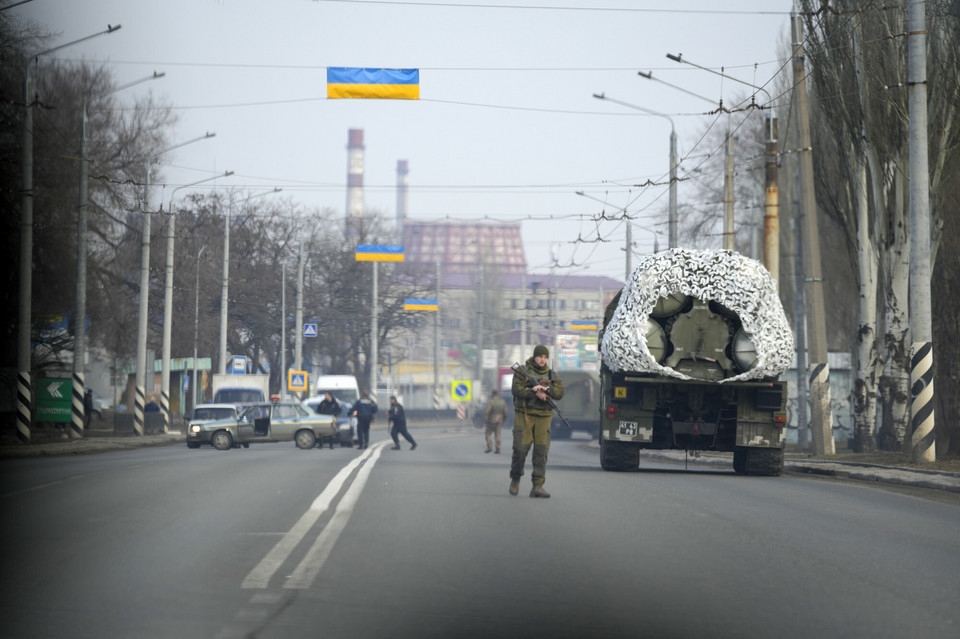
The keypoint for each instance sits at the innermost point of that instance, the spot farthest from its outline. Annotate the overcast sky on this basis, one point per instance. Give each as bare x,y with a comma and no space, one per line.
506,127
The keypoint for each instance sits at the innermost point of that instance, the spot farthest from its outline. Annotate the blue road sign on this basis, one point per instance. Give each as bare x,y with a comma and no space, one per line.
309,330
460,390
239,365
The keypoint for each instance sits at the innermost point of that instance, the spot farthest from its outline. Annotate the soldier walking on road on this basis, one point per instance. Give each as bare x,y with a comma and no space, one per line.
531,420
494,414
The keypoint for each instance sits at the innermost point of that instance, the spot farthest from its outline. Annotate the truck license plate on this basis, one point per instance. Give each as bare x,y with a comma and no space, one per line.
628,429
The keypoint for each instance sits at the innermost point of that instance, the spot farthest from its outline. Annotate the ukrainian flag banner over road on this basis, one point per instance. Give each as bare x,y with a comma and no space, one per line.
410,304
379,253
389,84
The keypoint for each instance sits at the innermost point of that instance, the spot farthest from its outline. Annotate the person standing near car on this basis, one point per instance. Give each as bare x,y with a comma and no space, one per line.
329,406
531,420
364,410
494,414
398,424
87,408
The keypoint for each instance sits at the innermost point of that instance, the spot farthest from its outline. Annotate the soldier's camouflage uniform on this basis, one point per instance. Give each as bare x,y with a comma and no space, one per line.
531,420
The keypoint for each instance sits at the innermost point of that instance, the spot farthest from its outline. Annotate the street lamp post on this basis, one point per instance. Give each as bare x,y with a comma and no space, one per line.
25,316
224,303
196,331
141,372
168,302
673,163
80,343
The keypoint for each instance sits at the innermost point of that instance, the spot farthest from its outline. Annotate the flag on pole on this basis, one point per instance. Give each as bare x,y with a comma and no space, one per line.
390,84
379,253
410,304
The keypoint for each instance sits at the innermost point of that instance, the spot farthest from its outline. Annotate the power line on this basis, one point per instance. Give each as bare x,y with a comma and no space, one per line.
472,5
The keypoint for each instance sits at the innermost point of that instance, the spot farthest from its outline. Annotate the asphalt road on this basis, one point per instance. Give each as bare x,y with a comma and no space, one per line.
273,541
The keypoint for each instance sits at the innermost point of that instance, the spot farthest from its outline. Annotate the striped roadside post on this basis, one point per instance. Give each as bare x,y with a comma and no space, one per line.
76,406
923,441
138,405
24,403
165,409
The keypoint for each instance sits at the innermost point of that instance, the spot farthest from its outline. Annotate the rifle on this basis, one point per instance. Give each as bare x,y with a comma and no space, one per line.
518,370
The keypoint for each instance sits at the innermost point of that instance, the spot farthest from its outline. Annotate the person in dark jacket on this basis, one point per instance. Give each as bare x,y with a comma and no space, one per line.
329,406
364,410
87,408
398,424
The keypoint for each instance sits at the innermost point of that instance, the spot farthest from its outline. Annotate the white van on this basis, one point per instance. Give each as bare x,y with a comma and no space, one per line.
347,392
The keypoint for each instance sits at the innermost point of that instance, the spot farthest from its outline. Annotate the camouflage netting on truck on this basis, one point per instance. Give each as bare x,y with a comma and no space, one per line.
739,283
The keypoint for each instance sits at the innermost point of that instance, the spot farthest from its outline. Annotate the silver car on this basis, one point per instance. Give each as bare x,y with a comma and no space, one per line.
264,423
205,413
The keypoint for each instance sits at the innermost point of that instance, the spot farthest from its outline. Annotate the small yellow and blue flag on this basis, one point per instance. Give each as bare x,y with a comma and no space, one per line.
410,304
379,253
388,84
583,326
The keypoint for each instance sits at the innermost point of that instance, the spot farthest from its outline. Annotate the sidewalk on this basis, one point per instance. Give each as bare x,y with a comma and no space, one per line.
46,443
899,475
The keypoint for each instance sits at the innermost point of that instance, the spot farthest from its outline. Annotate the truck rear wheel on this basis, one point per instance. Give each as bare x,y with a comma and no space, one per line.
762,462
618,456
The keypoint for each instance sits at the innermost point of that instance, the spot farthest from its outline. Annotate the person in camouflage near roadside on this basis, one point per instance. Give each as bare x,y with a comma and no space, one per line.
531,420
494,414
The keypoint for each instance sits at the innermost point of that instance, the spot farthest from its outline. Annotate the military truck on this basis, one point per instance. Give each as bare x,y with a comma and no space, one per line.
692,349
580,403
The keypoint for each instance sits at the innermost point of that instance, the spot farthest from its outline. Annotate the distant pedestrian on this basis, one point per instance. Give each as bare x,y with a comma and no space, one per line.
364,410
533,385
329,406
87,408
397,419
494,414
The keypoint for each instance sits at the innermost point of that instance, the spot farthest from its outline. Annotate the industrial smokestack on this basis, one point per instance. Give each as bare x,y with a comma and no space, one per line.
354,180
402,171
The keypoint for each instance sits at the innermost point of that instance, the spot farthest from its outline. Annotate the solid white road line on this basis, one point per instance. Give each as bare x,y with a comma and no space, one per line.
309,568
260,576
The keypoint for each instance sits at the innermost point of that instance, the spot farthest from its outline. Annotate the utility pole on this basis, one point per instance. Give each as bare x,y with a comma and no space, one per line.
195,386
729,239
298,342
771,217
801,330
822,418
80,314
373,334
922,441
480,325
168,302
283,331
436,344
629,250
25,300
224,299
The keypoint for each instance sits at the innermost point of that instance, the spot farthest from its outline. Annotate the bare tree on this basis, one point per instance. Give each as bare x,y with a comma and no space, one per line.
858,63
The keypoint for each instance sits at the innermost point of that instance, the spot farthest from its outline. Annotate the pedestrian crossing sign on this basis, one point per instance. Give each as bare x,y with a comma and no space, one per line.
297,381
309,330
